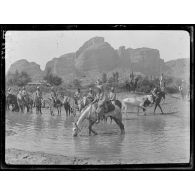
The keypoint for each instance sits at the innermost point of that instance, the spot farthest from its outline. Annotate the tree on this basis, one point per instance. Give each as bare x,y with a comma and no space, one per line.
52,79
19,79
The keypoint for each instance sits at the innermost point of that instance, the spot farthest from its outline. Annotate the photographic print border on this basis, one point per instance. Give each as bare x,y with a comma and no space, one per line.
113,167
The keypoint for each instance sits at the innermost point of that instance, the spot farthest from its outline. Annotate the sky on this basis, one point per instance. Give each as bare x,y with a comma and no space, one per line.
42,46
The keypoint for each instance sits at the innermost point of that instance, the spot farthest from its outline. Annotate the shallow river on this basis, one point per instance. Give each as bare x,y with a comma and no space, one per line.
148,139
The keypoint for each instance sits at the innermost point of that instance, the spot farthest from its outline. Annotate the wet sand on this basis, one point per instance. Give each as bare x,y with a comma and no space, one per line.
21,157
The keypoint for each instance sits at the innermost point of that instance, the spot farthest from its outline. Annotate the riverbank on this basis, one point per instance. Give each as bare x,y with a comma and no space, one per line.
22,157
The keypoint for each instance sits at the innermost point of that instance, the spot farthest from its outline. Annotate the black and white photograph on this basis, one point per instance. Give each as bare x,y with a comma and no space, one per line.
97,97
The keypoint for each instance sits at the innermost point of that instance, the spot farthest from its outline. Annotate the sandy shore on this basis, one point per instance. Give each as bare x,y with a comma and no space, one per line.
21,157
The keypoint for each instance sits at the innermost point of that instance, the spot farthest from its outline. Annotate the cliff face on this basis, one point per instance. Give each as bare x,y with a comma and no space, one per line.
96,56
31,68
179,68
144,60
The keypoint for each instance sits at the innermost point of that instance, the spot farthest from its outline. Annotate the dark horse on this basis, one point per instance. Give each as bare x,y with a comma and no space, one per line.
157,100
12,100
38,104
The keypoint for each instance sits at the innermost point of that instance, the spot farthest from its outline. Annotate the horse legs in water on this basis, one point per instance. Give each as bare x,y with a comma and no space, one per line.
159,107
91,123
120,124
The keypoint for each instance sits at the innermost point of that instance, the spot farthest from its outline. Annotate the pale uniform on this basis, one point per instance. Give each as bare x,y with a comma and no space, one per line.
162,82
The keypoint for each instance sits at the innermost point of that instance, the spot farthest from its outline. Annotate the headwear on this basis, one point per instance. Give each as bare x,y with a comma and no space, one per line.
37,87
112,88
90,89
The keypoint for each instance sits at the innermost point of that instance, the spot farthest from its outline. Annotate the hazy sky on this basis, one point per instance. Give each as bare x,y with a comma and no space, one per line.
42,46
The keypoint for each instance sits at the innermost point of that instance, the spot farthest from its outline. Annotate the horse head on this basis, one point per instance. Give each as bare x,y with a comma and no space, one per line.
75,129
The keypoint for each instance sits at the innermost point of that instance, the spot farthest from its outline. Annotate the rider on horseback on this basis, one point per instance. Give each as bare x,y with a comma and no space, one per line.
90,94
77,96
53,95
112,95
155,92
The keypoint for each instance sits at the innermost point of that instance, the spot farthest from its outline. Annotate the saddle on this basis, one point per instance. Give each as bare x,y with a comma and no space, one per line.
108,107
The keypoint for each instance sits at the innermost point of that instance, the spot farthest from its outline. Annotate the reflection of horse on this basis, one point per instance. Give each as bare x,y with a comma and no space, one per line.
139,102
12,100
38,104
90,113
67,105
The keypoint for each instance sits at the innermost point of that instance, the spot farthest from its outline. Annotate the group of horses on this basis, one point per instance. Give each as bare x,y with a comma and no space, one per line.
18,103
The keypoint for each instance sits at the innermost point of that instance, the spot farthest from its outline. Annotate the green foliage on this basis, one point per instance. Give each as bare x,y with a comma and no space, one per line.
52,79
18,79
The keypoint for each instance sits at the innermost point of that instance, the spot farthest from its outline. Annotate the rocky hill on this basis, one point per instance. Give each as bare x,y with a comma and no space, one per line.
179,68
96,56
31,68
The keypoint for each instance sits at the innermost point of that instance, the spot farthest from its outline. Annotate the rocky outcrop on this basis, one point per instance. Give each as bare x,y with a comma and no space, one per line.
31,68
144,60
96,56
179,68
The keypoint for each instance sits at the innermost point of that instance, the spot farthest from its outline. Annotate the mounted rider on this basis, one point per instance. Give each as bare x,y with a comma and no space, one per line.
19,95
112,95
38,93
9,92
77,96
155,93
24,92
53,95
90,95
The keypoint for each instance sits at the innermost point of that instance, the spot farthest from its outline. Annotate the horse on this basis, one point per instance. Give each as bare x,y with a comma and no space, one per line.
90,113
67,106
38,104
55,104
11,99
28,102
138,102
20,101
157,100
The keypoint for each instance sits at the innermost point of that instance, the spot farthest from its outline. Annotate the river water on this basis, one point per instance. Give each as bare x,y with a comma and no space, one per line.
148,139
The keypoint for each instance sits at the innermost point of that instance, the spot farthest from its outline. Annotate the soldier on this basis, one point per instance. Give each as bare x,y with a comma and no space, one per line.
77,96
24,92
53,95
90,94
38,93
112,95
9,91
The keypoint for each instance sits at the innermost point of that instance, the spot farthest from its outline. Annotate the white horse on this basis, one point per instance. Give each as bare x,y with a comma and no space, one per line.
90,113
139,102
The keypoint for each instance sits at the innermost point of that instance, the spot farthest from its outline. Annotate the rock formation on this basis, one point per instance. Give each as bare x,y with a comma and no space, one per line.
31,68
